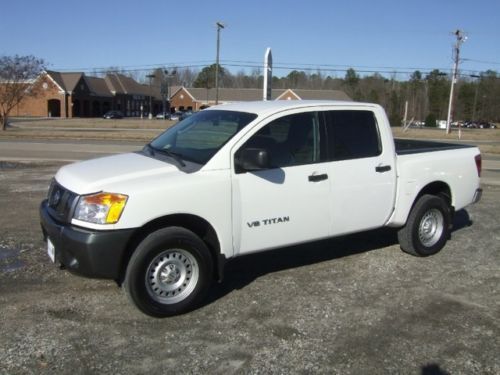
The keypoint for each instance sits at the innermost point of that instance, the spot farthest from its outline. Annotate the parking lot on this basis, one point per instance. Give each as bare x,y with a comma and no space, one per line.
351,305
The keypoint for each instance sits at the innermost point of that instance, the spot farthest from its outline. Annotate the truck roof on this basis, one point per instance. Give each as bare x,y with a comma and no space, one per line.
272,106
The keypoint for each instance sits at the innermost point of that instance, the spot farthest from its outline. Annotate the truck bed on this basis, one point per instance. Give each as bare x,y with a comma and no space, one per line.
411,146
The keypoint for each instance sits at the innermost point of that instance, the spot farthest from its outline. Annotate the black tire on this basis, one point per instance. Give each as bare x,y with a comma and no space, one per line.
169,272
427,228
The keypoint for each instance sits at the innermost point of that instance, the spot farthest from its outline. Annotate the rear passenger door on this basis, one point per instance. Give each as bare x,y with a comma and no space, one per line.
362,173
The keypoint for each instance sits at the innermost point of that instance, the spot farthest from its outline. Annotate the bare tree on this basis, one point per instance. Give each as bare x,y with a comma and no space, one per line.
136,75
239,80
185,77
17,81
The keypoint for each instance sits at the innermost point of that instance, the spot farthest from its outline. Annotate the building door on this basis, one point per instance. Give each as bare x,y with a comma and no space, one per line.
76,108
106,106
54,108
96,109
86,108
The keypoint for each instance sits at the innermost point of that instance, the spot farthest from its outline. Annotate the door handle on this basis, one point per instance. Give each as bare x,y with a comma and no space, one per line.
318,177
382,168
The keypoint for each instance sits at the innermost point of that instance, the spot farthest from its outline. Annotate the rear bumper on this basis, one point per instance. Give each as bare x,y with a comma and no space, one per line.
477,195
86,252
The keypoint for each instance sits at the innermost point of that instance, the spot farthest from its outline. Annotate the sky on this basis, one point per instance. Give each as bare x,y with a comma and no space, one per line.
378,35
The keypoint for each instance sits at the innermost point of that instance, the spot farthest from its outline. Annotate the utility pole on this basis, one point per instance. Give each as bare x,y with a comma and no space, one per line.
475,96
219,27
461,38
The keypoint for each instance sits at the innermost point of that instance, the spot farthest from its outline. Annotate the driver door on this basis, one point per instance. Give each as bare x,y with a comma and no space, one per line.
286,203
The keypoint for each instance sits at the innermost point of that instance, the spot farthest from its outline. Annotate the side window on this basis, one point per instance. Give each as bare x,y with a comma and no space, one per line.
289,140
352,135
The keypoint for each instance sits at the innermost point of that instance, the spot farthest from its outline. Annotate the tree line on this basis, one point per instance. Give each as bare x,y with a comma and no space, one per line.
477,97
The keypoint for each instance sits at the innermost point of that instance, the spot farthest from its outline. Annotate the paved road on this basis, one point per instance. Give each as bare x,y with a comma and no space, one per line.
17,150
14,150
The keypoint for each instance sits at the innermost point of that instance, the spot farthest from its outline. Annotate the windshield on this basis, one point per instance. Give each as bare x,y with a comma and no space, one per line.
200,136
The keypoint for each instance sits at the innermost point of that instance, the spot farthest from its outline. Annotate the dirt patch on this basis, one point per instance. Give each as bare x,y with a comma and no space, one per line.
487,140
467,134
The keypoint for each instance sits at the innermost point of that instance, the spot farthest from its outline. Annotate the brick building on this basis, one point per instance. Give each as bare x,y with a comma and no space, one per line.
78,95
197,98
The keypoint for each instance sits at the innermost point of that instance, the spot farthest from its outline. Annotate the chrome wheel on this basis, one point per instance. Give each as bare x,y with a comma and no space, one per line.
431,227
172,276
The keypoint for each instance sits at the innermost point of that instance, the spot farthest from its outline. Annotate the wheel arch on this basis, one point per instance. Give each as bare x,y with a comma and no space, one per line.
199,226
409,193
438,188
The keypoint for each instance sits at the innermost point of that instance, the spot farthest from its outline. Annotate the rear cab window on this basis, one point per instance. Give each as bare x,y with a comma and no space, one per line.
352,134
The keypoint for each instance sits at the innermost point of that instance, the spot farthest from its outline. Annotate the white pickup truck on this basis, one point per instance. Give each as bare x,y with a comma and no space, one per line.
247,177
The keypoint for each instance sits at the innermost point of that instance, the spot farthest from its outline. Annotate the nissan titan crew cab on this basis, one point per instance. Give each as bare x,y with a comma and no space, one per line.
246,177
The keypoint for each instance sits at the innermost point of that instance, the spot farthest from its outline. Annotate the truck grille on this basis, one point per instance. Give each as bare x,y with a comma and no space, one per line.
61,202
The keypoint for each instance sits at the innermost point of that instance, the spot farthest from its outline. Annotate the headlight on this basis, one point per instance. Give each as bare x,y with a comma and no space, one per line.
100,208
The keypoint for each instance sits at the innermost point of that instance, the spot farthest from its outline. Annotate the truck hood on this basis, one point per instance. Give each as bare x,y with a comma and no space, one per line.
99,174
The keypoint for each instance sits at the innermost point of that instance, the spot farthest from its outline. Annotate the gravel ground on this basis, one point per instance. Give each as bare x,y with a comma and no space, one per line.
351,305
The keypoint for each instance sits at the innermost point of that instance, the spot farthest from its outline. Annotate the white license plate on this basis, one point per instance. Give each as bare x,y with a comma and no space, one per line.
51,250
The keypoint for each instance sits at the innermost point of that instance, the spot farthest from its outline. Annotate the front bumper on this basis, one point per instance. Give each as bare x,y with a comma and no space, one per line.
90,253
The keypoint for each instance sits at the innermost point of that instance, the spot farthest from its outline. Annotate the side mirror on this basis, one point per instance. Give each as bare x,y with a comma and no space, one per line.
252,159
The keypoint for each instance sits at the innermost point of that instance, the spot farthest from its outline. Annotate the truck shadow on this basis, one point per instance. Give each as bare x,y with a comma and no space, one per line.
461,220
242,271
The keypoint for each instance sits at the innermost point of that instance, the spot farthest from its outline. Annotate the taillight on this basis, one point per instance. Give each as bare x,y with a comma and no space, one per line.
477,158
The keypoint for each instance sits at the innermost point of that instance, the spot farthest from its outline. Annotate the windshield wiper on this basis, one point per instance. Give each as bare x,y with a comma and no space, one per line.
177,157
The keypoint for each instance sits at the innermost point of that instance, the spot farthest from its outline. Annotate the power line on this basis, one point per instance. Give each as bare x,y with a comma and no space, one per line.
122,69
482,62
340,67
257,64
138,67
378,68
323,68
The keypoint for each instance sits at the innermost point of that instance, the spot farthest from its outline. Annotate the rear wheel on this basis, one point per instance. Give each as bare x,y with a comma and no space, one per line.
427,228
169,273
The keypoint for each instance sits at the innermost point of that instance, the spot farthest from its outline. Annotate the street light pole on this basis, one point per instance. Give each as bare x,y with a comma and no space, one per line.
219,27
167,94
150,76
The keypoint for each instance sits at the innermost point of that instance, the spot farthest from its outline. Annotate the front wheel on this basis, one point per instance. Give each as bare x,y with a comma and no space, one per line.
427,228
169,273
